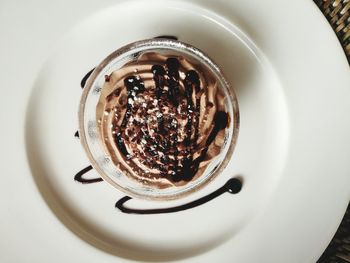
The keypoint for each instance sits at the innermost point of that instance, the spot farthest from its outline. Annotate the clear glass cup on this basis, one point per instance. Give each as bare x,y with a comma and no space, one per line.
91,139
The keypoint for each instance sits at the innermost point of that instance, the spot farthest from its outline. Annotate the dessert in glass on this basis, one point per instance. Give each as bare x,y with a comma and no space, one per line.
158,120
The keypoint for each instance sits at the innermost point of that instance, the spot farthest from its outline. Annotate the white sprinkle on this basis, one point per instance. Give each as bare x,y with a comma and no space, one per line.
106,113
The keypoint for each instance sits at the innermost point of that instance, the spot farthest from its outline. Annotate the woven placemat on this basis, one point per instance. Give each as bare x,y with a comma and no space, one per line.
338,15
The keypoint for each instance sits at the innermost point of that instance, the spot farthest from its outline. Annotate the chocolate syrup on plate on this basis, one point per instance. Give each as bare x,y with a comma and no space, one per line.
79,176
168,37
232,186
85,78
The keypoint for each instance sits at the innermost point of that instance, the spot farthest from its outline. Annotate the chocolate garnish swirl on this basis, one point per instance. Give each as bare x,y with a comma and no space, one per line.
79,177
232,186
163,119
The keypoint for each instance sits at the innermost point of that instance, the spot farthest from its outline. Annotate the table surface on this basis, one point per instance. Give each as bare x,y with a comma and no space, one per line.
338,15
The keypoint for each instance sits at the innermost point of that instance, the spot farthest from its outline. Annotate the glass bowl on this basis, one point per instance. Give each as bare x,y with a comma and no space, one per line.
92,140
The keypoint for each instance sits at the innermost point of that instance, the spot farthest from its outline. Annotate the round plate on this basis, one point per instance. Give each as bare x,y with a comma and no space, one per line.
292,84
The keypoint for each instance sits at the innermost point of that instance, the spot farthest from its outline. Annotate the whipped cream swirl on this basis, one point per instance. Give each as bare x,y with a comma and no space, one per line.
162,119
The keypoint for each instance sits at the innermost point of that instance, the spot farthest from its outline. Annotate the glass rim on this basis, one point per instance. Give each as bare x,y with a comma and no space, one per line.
180,47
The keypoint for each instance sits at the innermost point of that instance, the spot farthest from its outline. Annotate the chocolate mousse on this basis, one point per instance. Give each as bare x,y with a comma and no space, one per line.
162,119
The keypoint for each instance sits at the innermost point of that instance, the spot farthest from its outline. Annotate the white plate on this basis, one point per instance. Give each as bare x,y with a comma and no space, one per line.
292,81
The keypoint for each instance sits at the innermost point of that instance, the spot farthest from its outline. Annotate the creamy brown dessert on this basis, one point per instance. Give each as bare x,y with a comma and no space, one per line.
162,119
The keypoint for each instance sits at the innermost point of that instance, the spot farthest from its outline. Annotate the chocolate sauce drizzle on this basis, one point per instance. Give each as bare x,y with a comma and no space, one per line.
79,176
170,94
232,186
168,37
85,78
